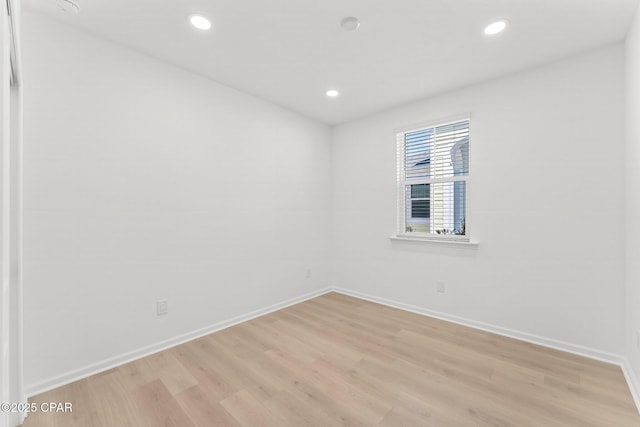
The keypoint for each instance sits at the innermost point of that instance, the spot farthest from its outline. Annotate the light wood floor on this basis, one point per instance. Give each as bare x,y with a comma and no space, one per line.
341,361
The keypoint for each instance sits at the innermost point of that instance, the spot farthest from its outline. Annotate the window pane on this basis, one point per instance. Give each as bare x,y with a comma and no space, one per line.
450,150
420,209
417,212
438,152
449,208
417,153
420,191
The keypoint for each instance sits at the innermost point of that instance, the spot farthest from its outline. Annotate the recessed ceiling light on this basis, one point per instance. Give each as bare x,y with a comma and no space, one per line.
350,23
495,27
332,93
200,22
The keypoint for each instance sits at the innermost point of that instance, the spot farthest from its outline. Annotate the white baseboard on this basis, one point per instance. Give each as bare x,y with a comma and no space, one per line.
110,363
522,336
632,381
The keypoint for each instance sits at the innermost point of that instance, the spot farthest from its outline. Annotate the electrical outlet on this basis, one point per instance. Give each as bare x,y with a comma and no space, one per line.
162,307
308,273
440,287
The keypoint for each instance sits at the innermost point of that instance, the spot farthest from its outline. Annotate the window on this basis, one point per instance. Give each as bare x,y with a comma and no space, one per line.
433,170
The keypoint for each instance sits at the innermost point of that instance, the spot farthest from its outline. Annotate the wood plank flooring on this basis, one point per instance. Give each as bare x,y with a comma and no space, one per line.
340,361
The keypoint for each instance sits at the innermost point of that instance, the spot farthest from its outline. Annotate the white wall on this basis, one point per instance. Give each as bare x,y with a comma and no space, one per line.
5,208
10,212
143,181
546,205
632,228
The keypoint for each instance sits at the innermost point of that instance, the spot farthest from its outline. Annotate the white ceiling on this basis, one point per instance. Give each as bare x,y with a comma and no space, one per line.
291,51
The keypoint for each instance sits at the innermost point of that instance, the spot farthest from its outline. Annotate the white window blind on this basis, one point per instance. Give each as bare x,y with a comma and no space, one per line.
433,170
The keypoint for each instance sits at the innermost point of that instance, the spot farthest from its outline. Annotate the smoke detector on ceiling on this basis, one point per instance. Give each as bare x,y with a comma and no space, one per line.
69,6
350,23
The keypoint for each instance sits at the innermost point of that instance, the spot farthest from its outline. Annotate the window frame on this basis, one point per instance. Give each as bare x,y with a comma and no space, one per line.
404,202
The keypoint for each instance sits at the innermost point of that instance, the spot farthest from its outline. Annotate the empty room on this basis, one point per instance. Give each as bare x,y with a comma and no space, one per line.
320,213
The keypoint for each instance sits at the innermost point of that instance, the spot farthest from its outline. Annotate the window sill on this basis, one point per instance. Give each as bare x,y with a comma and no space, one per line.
421,239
